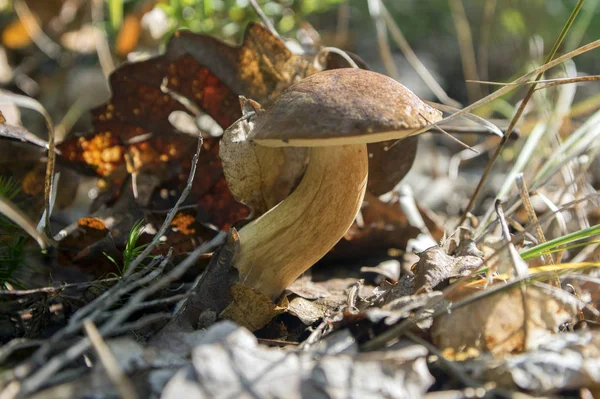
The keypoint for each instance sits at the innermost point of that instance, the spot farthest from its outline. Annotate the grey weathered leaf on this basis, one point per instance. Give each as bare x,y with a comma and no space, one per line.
230,363
307,311
568,361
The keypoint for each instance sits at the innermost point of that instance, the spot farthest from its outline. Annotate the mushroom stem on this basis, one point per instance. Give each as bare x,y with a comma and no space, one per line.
278,247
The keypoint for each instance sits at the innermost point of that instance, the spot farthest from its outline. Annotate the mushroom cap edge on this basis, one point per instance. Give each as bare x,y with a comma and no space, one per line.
342,106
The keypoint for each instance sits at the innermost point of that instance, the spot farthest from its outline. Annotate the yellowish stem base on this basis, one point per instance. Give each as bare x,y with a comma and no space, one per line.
278,247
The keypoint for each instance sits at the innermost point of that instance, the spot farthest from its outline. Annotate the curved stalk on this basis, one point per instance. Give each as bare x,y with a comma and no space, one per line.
278,247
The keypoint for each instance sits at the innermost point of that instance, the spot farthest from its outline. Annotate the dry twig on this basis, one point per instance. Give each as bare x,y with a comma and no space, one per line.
108,360
465,42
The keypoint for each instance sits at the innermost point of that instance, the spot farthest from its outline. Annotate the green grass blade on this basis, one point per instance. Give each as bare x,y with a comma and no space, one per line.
566,239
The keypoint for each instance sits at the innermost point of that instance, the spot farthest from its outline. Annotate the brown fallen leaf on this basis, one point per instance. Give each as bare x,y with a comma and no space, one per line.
88,247
184,234
497,323
389,162
435,266
209,75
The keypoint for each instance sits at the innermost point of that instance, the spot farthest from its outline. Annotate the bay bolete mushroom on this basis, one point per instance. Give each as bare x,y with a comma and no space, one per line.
335,114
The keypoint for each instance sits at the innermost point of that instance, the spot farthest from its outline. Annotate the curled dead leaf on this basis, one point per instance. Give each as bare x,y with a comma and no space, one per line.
435,266
497,323
307,311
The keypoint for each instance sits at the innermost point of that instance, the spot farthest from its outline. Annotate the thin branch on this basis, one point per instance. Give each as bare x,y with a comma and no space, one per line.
484,41
524,78
414,61
170,216
265,19
95,308
108,360
375,10
551,82
35,31
56,289
36,378
465,43
459,142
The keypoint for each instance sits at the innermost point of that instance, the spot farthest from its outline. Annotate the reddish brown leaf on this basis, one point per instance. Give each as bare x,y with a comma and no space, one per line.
210,75
389,162
184,234
259,69
86,248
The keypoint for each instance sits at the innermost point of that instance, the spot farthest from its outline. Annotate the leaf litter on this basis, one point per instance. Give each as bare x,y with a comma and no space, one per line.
455,318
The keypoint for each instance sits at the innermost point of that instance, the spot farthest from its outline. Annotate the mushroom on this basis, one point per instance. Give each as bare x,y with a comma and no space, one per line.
335,114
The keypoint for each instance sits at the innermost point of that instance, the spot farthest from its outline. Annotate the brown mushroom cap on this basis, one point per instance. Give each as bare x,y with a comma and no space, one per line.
342,106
